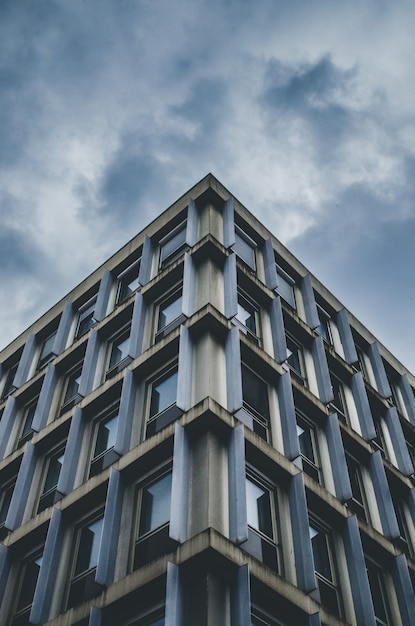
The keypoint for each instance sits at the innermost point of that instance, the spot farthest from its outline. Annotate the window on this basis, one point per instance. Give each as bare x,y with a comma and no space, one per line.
259,618
86,317
378,591
308,448
128,282
26,590
52,471
358,503
324,566
152,537
361,363
379,441
263,542
169,313
27,419
172,244
86,549
285,286
46,351
71,387
5,499
324,328
162,398
339,400
405,523
245,248
8,383
295,359
118,353
247,317
103,452
256,401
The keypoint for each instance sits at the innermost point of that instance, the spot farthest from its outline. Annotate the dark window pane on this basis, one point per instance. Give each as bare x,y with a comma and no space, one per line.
89,540
169,311
255,392
54,469
163,394
245,249
72,386
28,585
119,350
106,435
258,508
155,505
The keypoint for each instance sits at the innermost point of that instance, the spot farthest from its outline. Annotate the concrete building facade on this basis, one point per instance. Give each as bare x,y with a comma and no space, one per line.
201,434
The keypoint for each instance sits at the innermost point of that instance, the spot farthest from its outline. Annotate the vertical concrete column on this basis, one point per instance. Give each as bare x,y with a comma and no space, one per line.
287,417
95,617
357,573
125,413
230,286
303,553
277,330
105,286
42,599
362,407
180,486
383,497
4,571
379,372
6,425
138,319
403,458
26,361
72,452
185,371
345,332
233,371
238,521
144,275
408,397
107,555
174,597
404,589
64,328
22,488
270,268
337,459
228,223
192,224
86,384
322,370
46,396
309,302
189,281
241,597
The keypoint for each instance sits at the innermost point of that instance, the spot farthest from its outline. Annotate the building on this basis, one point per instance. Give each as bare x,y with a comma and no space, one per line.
200,434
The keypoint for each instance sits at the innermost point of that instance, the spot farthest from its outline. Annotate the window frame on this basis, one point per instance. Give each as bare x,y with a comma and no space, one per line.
173,295
250,243
6,495
86,315
146,545
8,386
337,386
332,584
46,343
170,257
25,429
68,402
120,337
300,372
250,306
261,424
19,615
289,284
324,328
82,583
133,269
100,461
156,421
374,568
358,503
47,497
313,465
263,545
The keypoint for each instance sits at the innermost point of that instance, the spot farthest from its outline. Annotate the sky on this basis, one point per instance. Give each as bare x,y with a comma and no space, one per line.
110,110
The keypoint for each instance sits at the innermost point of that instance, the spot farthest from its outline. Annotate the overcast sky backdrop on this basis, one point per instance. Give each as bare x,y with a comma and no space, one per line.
304,109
